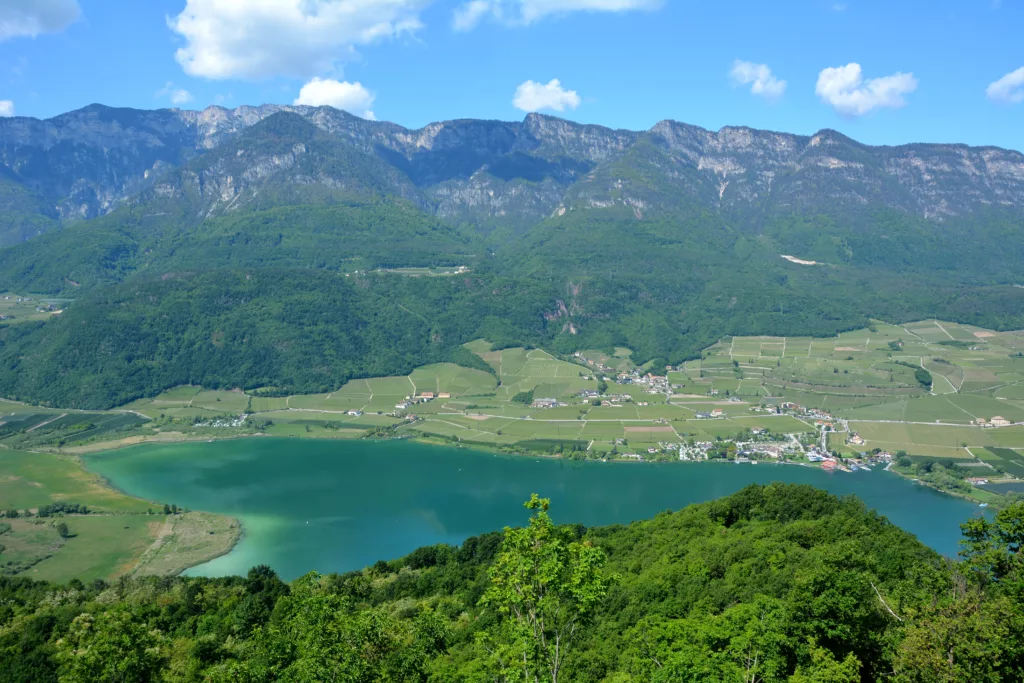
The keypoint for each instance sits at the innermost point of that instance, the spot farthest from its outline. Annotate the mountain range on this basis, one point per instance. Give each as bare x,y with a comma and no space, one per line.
88,162
179,235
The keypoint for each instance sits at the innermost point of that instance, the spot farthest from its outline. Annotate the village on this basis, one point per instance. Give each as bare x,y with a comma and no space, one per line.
756,444
746,400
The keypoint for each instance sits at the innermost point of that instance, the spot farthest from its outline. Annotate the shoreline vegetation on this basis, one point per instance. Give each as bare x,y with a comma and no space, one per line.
60,521
949,397
186,538
935,402
824,590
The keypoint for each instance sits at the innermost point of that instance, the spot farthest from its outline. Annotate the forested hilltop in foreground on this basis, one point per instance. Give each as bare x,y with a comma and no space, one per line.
774,583
296,248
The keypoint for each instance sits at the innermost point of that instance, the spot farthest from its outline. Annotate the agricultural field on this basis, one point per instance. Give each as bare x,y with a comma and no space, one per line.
618,359
1008,459
119,535
21,308
191,402
485,409
872,373
871,381
30,480
923,387
437,271
29,427
646,420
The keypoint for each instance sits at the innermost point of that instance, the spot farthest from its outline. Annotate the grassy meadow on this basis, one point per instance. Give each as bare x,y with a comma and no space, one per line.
120,534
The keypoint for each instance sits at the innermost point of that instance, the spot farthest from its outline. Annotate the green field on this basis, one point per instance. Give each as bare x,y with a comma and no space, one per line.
28,480
916,439
869,380
102,547
109,541
868,376
1010,460
21,308
871,377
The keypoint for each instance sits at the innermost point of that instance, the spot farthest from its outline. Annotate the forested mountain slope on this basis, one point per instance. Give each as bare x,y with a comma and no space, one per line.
572,236
774,583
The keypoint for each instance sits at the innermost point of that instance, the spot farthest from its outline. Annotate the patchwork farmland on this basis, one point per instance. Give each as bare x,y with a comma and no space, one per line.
930,389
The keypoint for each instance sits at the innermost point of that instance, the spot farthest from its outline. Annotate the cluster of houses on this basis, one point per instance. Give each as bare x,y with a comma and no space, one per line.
592,363
422,397
610,400
236,421
997,421
653,384
746,451
546,403
830,462
715,413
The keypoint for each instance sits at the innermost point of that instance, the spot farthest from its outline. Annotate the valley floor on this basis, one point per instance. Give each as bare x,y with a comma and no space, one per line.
61,522
938,402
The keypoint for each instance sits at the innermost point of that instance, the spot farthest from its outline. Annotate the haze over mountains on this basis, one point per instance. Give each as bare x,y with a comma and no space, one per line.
86,163
181,234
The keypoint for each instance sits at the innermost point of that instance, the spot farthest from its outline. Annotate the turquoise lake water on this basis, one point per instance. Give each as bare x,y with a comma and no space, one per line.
335,506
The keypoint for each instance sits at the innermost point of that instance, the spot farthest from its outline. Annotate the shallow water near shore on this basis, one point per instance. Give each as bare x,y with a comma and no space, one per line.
335,506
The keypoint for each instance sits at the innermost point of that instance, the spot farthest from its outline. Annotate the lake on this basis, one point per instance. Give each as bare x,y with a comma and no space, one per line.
335,506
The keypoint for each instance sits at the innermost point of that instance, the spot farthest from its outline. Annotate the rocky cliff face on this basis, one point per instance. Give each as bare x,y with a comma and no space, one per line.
492,174
737,169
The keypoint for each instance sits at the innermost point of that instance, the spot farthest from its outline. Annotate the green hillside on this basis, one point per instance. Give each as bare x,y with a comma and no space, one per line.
305,330
774,583
254,262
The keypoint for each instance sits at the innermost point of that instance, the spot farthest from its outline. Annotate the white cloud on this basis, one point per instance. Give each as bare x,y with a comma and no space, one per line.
760,79
532,96
299,38
522,12
32,17
1009,89
467,16
177,96
844,88
352,97
6,108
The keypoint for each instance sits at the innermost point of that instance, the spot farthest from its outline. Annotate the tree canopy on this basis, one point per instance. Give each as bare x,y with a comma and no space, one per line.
776,583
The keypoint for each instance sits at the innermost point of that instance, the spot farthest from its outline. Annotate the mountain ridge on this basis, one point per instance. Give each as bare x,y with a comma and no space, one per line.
495,174
569,237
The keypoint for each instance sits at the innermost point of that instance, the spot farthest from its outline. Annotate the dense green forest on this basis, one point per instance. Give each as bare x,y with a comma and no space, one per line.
774,583
252,264
305,330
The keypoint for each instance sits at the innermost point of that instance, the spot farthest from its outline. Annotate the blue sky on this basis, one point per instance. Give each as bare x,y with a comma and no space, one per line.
881,72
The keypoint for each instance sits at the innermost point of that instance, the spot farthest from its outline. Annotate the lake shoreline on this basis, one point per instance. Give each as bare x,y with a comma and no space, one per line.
100,448
229,519
284,493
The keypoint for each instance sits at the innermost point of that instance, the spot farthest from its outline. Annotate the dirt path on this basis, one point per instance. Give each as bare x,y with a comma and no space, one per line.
944,330
43,424
912,334
165,531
